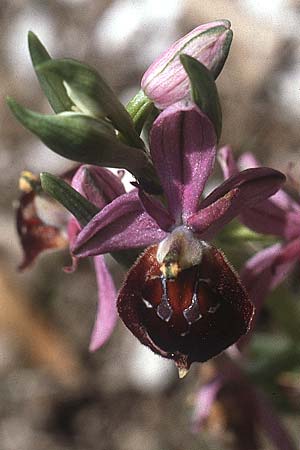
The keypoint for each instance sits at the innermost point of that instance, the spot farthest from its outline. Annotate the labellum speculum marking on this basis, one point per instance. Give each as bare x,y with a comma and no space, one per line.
191,316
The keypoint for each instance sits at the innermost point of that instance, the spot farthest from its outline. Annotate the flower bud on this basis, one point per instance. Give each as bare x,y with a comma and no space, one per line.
166,82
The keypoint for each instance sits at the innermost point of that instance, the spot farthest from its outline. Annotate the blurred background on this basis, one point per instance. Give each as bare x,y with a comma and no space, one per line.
54,394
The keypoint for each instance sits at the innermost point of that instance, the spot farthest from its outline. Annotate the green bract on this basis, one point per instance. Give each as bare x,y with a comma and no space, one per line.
91,94
90,125
203,90
74,202
81,138
51,84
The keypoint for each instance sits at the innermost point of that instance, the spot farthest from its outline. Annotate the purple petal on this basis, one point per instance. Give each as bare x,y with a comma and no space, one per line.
100,186
256,275
285,201
107,315
289,253
227,161
261,274
156,210
272,425
246,161
205,399
251,187
265,415
73,230
182,143
121,225
258,183
279,215
202,220
267,218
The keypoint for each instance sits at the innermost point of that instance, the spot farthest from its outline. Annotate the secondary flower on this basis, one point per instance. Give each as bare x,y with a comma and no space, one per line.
44,224
166,82
278,215
181,298
41,221
240,406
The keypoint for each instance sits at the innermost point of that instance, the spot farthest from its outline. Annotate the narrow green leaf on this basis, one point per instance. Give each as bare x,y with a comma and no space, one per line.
92,95
204,90
285,314
236,232
50,83
81,138
74,202
269,360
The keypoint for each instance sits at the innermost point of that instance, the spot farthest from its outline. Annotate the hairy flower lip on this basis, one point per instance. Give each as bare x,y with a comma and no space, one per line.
183,330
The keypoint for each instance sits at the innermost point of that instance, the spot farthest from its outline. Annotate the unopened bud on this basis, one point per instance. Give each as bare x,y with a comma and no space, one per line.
166,82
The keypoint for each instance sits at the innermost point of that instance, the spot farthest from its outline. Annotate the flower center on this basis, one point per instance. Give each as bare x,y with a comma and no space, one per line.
180,301
180,250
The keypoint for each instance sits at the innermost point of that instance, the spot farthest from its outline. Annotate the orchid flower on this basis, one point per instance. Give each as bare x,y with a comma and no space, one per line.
41,221
279,216
246,408
181,298
44,224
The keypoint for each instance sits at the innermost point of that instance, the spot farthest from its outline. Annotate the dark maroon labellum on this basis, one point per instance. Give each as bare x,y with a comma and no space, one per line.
192,317
35,235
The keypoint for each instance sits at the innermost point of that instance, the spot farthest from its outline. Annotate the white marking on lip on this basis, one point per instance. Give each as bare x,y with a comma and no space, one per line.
164,309
204,280
146,303
185,332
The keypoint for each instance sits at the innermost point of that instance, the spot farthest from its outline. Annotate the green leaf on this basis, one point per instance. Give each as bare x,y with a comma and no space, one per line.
74,202
204,90
235,232
139,108
50,83
271,355
82,209
284,308
91,94
81,138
